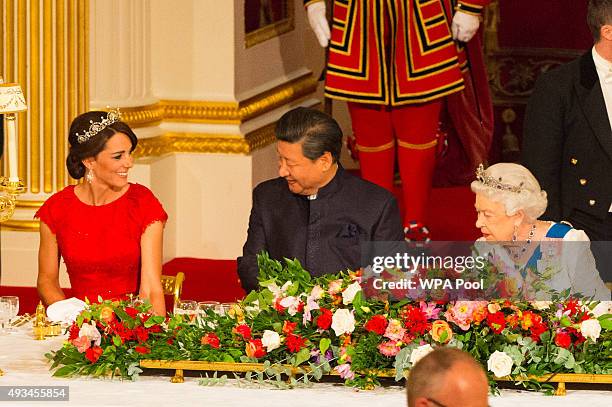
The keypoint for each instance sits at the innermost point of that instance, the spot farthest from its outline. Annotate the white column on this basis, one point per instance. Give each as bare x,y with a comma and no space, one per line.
120,53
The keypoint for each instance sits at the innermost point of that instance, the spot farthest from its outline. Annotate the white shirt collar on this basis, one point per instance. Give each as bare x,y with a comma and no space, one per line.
603,66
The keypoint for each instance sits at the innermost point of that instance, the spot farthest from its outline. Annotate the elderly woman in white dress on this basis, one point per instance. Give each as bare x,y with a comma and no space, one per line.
509,201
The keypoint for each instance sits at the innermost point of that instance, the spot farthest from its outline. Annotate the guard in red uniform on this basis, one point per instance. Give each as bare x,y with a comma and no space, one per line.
394,61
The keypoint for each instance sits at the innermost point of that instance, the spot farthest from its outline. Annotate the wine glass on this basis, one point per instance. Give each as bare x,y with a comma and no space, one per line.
5,313
186,307
13,308
204,306
223,308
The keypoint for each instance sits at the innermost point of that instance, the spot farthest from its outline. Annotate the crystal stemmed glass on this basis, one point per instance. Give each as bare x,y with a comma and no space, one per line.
13,308
188,308
5,313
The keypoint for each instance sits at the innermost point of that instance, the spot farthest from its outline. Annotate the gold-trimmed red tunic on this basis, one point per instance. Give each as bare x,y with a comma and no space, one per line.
412,58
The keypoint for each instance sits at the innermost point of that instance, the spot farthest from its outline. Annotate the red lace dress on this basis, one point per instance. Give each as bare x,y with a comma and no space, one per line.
101,244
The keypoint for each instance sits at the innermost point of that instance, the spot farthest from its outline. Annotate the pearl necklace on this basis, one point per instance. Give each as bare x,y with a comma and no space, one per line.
523,248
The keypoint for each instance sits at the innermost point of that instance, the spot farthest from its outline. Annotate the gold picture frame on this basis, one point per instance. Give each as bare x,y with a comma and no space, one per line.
258,33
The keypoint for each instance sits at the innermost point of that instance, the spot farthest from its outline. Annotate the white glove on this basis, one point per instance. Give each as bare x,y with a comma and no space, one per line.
464,26
65,311
318,22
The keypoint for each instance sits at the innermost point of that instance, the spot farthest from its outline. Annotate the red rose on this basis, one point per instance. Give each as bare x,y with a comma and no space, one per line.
154,329
496,322
377,323
210,339
93,354
295,343
243,330
300,307
289,327
170,341
324,319
131,311
254,349
563,339
142,349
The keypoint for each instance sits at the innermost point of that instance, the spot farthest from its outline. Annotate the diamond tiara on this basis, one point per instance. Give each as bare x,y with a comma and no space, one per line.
112,116
496,182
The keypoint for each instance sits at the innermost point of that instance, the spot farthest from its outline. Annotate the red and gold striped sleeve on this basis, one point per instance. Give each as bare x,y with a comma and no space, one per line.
474,7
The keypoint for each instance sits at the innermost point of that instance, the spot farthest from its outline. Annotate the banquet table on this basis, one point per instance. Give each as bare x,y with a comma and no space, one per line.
23,362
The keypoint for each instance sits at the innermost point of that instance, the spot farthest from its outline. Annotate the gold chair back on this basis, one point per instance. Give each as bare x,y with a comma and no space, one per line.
173,285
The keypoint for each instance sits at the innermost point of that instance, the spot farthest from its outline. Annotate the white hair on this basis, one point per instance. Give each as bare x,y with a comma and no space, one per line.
530,198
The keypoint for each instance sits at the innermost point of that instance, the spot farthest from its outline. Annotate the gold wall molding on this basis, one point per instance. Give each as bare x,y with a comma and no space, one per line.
21,225
141,116
194,111
272,30
238,112
169,143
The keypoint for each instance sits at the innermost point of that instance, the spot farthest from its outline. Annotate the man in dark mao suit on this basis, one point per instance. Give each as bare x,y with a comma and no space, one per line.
315,211
568,138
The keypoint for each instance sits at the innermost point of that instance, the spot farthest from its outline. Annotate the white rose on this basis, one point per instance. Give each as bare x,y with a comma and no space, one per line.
604,307
590,329
271,340
343,322
541,305
317,292
91,332
349,293
291,303
419,353
500,364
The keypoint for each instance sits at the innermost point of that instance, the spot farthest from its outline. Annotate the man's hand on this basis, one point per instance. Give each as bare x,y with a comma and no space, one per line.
318,22
464,26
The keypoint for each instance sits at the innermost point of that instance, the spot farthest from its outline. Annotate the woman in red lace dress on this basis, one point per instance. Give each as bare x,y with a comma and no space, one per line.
108,231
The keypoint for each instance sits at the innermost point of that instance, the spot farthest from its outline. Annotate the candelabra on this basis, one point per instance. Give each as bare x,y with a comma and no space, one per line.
11,102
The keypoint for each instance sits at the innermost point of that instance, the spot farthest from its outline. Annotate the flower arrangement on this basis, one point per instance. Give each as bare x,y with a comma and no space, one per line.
108,338
328,324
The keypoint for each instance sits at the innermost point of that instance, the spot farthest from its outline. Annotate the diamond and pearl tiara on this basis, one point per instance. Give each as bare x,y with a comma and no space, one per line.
112,116
495,182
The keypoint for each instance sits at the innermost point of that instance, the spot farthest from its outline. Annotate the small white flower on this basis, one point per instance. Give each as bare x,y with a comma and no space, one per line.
349,293
590,329
278,292
91,332
291,303
500,364
541,305
334,287
604,307
317,292
271,340
343,321
419,353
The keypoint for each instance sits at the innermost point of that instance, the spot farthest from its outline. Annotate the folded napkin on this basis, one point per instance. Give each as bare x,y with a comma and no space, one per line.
65,311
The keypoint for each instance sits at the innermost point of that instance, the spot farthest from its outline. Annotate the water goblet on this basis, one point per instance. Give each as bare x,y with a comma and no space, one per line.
188,308
13,307
5,313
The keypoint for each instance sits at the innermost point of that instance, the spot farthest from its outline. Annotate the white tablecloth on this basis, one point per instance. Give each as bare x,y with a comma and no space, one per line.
22,359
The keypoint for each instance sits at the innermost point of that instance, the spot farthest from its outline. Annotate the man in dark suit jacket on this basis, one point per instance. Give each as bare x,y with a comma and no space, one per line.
567,140
315,211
